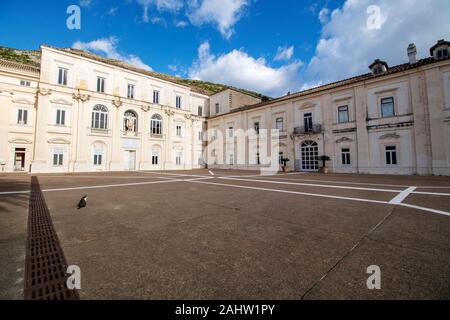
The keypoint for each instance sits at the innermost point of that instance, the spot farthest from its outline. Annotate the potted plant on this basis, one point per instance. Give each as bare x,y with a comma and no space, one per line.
285,161
324,159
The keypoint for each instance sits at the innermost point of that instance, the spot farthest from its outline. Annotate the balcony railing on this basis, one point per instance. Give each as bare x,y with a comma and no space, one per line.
314,129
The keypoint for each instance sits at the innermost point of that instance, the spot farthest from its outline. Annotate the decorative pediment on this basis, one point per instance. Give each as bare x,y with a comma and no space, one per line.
307,105
44,91
344,139
390,136
61,101
22,100
58,141
20,141
117,102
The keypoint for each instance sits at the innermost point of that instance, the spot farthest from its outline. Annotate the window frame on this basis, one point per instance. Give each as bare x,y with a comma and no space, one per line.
60,117
156,125
178,131
346,159
58,158
22,116
178,102
101,114
382,103
130,91
101,84
63,76
343,109
390,160
277,122
156,96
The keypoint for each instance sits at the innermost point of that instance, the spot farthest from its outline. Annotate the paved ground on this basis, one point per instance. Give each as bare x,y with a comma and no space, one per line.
237,235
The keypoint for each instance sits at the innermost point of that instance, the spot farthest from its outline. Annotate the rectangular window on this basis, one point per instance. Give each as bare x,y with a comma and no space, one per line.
391,155
200,136
256,127
387,107
60,117
155,96
343,114
280,158
345,155
178,159
279,124
178,102
22,116
25,83
98,158
58,157
100,84
178,131
217,108
308,122
62,76
200,111
155,159
130,91
230,132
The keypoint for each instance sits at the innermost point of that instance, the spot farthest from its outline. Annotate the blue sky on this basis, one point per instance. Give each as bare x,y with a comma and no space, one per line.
263,45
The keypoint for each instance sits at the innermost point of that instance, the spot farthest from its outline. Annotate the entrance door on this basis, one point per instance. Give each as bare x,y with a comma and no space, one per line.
130,160
19,159
310,155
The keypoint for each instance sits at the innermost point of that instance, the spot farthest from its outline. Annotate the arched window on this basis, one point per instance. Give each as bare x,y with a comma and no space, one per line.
156,125
130,121
99,117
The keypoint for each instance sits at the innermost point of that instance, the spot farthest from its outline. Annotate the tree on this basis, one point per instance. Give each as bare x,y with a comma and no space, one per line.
324,159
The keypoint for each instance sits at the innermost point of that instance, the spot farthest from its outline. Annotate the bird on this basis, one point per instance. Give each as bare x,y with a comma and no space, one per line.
83,203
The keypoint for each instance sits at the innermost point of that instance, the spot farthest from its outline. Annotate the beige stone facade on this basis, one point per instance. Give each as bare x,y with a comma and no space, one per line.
391,121
78,114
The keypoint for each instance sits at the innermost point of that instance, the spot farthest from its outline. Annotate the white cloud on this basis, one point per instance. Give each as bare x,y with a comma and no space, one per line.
85,3
160,5
112,11
347,46
284,53
237,68
324,15
173,68
180,24
223,13
108,48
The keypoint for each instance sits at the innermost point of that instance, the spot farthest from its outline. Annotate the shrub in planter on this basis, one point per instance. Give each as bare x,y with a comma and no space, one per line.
324,160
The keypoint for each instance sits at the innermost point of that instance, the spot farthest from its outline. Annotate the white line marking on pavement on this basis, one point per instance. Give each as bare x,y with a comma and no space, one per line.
444,213
13,192
211,173
432,193
325,196
292,192
402,195
311,185
175,174
110,186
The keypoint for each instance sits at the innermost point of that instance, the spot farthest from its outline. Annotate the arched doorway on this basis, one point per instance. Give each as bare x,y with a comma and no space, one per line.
310,156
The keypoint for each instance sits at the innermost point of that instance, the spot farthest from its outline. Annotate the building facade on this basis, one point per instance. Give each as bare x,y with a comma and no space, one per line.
79,113
393,120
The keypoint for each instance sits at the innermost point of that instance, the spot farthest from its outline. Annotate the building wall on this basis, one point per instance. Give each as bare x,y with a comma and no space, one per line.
14,136
229,100
419,128
79,143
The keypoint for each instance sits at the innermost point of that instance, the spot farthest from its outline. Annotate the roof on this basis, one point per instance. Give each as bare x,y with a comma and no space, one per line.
438,44
341,83
19,66
246,92
201,87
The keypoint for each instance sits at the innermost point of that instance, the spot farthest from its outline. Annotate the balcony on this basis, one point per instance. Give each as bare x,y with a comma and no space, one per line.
313,129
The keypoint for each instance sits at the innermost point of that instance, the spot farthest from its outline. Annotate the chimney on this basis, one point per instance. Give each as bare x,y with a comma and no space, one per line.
412,53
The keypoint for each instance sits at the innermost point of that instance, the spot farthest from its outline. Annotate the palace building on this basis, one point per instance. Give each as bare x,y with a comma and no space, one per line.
78,112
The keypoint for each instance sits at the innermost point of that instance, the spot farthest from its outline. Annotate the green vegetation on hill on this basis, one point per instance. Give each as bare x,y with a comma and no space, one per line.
21,56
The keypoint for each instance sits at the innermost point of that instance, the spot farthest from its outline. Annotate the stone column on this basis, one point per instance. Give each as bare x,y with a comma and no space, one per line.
362,134
78,157
115,126
41,150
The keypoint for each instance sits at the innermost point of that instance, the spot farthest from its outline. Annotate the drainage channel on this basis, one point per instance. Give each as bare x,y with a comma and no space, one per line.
45,262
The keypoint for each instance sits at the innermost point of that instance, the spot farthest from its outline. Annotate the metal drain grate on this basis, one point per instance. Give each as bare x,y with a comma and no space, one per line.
45,262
